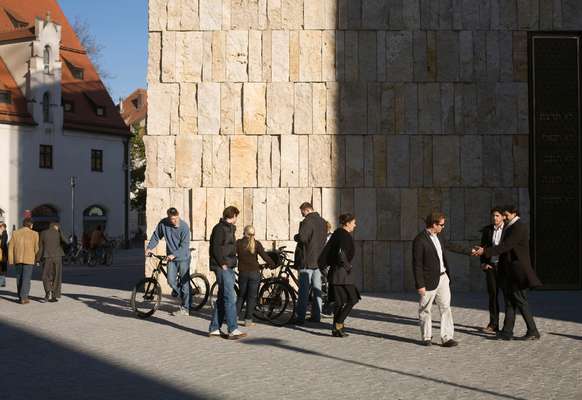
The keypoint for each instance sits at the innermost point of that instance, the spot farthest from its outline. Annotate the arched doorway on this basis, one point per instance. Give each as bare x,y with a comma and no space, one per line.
92,217
43,215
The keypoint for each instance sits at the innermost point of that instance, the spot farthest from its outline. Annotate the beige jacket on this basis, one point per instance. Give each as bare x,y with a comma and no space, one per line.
23,247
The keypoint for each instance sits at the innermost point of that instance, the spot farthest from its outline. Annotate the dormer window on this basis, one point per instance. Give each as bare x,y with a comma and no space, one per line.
5,97
46,59
17,21
78,73
100,111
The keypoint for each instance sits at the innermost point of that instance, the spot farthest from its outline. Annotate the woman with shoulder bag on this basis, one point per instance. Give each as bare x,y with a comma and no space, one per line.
342,289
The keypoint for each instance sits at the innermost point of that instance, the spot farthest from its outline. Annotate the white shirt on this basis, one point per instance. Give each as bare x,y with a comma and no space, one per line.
497,231
439,249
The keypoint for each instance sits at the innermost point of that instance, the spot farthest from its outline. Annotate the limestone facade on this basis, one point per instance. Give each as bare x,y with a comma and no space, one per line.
385,108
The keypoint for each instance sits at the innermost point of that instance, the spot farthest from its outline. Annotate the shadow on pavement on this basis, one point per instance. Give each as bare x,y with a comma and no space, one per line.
574,337
42,368
280,344
120,308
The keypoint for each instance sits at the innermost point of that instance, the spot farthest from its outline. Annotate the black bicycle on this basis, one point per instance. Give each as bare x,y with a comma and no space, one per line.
147,293
273,299
286,276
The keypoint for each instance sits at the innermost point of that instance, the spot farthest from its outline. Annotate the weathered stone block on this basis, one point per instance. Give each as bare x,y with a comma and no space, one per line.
477,206
255,68
471,160
289,161
164,98
328,56
214,208
367,55
188,109
303,161
277,214
264,161
447,56
280,63
254,108
237,43
151,154
260,213
210,15
208,108
314,14
354,161
292,14
521,160
320,160
375,14
447,170
303,115
280,106
189,161
309,55
218,56
154,57
398,155
235,197
157,15
389,214
166,161
365,207
157,200
231,108
198,213
243,161
275,161
429,108
189,56
409,218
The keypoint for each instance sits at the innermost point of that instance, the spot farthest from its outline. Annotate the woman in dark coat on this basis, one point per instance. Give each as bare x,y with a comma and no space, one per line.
339,253
249,275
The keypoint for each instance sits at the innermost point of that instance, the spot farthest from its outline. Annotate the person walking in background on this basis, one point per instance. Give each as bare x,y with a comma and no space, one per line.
247,250
515,272
4,251
176,232
491,236
22,253
222,261
97,241
311,237
339,253
51,255
431,277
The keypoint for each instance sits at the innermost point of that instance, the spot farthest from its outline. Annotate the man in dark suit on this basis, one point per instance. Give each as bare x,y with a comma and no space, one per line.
431,276
51,254
516,273
491,236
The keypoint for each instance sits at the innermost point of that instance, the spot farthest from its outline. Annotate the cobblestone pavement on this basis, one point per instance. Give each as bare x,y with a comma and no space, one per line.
90,346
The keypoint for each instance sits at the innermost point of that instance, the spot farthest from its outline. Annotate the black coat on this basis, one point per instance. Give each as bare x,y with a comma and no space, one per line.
51,244
312,237
514,258
487,241
339,253
223,245
426,265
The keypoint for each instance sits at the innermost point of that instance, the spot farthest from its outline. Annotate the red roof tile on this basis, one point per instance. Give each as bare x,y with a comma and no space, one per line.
15,112
81,92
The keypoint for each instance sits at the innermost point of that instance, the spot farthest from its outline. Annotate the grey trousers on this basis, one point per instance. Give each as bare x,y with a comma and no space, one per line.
52,275
442,297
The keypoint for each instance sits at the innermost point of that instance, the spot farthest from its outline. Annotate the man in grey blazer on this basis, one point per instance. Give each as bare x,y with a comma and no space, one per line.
51,254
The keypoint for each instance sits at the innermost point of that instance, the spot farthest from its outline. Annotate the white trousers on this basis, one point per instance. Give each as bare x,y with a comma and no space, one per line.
442,297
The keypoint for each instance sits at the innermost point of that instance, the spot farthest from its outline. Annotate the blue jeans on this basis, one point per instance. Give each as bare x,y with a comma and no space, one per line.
181,267
309,278
23,276
225,307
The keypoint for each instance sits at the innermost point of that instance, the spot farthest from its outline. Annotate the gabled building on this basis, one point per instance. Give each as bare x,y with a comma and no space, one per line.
63,143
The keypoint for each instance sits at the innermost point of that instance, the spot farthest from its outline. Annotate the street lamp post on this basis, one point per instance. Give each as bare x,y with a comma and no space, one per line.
73,184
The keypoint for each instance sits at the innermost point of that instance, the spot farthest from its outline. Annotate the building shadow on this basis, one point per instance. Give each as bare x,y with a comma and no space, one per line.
282,345
120,308
47,369
574,337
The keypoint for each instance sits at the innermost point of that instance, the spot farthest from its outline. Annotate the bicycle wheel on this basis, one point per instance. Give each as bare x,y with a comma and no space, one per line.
214,293
109,257
199,291
276,303
146,297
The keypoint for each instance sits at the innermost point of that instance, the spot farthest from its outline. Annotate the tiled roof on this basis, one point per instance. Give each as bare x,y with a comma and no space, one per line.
134,110
15,112
83,93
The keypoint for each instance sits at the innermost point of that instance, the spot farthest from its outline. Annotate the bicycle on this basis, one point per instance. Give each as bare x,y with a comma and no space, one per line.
146,295
286,275
105,256
272,299
76,255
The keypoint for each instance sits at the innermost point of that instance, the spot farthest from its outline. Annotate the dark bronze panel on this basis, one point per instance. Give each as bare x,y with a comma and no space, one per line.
556,197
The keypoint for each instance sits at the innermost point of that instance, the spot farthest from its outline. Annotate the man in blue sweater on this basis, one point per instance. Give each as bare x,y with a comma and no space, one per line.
177,235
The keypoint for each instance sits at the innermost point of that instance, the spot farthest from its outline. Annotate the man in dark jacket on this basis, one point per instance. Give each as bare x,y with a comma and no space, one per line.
51,254
431,276
222,261
491,236
515,272
311,237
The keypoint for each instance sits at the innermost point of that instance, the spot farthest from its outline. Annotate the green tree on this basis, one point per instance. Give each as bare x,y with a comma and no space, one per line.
138,166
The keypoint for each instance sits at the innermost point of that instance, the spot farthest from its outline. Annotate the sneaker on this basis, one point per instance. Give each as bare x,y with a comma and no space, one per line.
215,334
236,334
450,343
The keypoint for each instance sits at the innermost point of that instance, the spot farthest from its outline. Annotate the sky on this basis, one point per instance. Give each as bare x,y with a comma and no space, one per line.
121,27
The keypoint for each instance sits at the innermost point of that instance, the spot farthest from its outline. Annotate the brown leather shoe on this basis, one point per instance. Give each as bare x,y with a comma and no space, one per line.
24,301
492,329
450,343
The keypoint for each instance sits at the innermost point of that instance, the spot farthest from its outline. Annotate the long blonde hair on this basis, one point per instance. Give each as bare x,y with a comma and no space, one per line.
249,233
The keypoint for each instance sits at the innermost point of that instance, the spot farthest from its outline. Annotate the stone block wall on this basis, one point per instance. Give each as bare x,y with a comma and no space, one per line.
385,108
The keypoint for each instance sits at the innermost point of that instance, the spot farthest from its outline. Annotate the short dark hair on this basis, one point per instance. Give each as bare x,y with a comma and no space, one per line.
172,212
346,218
306,206
496,210
434,218
230,212
27,222
510,208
